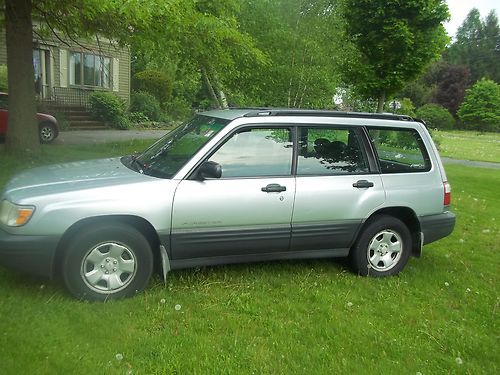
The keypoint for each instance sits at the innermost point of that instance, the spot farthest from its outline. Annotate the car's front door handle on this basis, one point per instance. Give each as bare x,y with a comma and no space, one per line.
363,184
273,188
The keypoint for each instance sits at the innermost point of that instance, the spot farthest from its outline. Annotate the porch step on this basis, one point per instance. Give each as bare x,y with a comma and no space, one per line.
86,125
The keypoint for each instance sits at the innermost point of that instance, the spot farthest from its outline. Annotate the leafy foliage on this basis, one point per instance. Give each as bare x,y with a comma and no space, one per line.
393,42
481,107
301,48
106,106
436,116
154,82
147,104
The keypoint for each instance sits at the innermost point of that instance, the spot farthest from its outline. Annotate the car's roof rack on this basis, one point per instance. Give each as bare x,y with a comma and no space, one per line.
256,112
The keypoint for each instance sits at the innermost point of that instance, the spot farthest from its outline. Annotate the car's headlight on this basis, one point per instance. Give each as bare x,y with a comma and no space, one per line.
14,215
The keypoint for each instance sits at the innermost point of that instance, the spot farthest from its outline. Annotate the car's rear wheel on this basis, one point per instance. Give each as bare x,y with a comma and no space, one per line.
383,247
47,132
110,261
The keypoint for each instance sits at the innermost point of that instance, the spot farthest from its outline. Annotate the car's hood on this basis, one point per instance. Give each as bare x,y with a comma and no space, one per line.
59,178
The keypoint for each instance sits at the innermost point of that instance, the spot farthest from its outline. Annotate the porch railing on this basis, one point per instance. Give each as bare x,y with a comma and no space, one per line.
71,96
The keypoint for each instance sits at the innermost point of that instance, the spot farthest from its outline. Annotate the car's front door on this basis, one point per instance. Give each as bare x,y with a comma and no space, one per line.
246,211
337,188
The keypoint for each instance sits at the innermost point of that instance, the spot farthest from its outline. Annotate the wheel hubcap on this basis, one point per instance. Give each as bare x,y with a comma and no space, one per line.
384,250
108,267
46,133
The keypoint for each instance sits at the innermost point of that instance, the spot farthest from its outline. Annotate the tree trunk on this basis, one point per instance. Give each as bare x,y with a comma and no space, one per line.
22,131
210,88
381,102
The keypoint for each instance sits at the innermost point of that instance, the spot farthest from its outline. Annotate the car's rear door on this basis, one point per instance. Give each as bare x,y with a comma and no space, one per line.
246,211
337,187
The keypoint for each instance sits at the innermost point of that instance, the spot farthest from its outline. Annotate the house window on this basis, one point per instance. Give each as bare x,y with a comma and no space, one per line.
89,70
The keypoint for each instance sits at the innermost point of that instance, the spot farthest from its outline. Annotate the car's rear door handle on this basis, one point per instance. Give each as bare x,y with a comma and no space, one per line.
363,184
273,188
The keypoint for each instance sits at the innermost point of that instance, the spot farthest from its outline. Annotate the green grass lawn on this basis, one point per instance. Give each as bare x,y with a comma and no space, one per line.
439,316
469,145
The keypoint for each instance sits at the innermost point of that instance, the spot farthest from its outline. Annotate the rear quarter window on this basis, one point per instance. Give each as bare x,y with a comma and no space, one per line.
400,150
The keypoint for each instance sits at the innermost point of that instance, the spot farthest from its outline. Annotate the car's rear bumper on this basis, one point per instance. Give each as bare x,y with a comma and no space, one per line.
30,254
435,227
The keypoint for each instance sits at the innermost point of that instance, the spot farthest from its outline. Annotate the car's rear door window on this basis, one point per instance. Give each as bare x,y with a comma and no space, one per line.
400,150
330,151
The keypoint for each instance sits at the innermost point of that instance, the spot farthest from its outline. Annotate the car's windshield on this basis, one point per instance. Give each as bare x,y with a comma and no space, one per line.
165,157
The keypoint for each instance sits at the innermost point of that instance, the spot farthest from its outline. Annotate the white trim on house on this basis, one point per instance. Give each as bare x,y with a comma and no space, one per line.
63,68
116,74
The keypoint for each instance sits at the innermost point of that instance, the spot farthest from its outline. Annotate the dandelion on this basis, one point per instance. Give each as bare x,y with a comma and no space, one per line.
459,361
349,304
446,283
177,307
468,290
119,356
486,231
163,300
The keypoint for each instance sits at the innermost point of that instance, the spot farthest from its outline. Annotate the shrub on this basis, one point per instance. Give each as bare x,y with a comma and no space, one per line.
122,122
179,109
3,78
481,107
106,106
147,104
436,116
137,117
154,82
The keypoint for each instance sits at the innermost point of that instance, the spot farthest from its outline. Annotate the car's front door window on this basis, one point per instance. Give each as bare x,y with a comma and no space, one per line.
256,152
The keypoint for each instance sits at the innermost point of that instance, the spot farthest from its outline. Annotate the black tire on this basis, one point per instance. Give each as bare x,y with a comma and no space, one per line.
375,252
109,261
47,132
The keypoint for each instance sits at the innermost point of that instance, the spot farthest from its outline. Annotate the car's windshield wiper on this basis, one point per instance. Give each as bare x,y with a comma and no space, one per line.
141,167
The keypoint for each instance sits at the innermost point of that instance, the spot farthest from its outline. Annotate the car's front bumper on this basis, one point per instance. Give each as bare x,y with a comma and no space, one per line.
31,254
435,227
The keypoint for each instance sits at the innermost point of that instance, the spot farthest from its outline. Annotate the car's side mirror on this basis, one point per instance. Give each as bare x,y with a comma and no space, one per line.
209,169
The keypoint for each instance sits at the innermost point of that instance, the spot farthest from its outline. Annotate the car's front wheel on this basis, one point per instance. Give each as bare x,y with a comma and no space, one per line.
108,261
383,247
47,132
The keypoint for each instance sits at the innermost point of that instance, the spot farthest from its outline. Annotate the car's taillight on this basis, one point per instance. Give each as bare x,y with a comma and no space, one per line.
447,193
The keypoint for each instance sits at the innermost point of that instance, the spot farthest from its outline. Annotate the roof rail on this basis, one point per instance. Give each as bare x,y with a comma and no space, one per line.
256,112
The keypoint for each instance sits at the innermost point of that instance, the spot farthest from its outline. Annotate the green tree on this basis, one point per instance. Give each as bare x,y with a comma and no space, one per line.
476,46
393,41
481,107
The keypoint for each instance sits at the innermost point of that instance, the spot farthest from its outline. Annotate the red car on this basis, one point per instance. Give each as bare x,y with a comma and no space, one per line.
47,124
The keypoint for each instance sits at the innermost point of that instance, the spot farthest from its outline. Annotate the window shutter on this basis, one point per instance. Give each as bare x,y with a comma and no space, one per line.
63,68
116,74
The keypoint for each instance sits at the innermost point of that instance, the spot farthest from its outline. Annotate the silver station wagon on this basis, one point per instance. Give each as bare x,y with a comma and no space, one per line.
230,186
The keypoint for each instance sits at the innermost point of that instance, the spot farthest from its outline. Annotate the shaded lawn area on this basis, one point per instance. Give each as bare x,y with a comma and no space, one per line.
469,145
439,315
